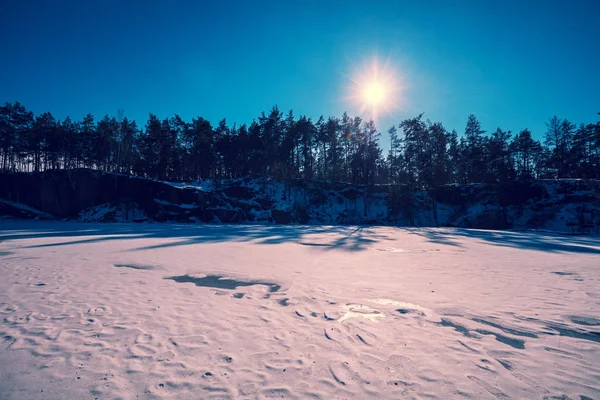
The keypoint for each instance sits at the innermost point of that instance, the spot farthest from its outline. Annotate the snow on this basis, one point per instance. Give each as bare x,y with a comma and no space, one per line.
296,312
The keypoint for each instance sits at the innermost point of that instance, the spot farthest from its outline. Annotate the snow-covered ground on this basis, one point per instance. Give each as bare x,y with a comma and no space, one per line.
135,311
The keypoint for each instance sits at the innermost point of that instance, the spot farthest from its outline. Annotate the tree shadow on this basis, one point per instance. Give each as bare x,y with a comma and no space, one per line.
347,238
540,241
435,235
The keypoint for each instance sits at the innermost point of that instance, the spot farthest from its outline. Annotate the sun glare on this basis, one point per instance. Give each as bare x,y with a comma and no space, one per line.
375,88
374,93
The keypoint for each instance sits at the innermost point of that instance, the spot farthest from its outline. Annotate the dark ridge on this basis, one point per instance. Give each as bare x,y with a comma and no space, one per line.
315,244
564,331
217,281
409,311
457,327
283,302
516,343
338,380
327,317
135,266
361,339
504,329
562,352
587,321
505,364
467,346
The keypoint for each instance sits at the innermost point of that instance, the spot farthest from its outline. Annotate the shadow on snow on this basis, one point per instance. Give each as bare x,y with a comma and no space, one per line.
540,241
347,238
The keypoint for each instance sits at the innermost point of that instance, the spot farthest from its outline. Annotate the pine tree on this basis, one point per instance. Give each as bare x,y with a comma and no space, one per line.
372,153
525,150
474,156
306,132
500,165
87,132
455,165
439,154
417,159
423,155
394,155
15,126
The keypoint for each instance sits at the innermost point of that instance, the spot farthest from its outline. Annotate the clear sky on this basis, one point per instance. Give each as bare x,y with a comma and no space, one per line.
513,64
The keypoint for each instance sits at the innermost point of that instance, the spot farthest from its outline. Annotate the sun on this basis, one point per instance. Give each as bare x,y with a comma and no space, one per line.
374,93
375,87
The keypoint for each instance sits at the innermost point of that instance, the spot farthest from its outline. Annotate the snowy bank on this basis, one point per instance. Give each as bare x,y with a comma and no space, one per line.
563,205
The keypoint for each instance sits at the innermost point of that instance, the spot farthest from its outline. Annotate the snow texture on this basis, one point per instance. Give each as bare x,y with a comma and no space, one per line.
177,311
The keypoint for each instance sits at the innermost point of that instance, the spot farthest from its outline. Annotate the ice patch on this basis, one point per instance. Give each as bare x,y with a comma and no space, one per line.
218,281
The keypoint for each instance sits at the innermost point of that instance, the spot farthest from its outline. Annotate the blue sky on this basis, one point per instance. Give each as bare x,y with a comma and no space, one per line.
513,64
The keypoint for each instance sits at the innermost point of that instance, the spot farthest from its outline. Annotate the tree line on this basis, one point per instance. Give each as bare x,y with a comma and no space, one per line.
422,153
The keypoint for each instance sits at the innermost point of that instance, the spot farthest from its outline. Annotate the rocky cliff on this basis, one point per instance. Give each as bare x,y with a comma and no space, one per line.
86,195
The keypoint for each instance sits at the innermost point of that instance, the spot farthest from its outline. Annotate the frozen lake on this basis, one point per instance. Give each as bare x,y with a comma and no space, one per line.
262,311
